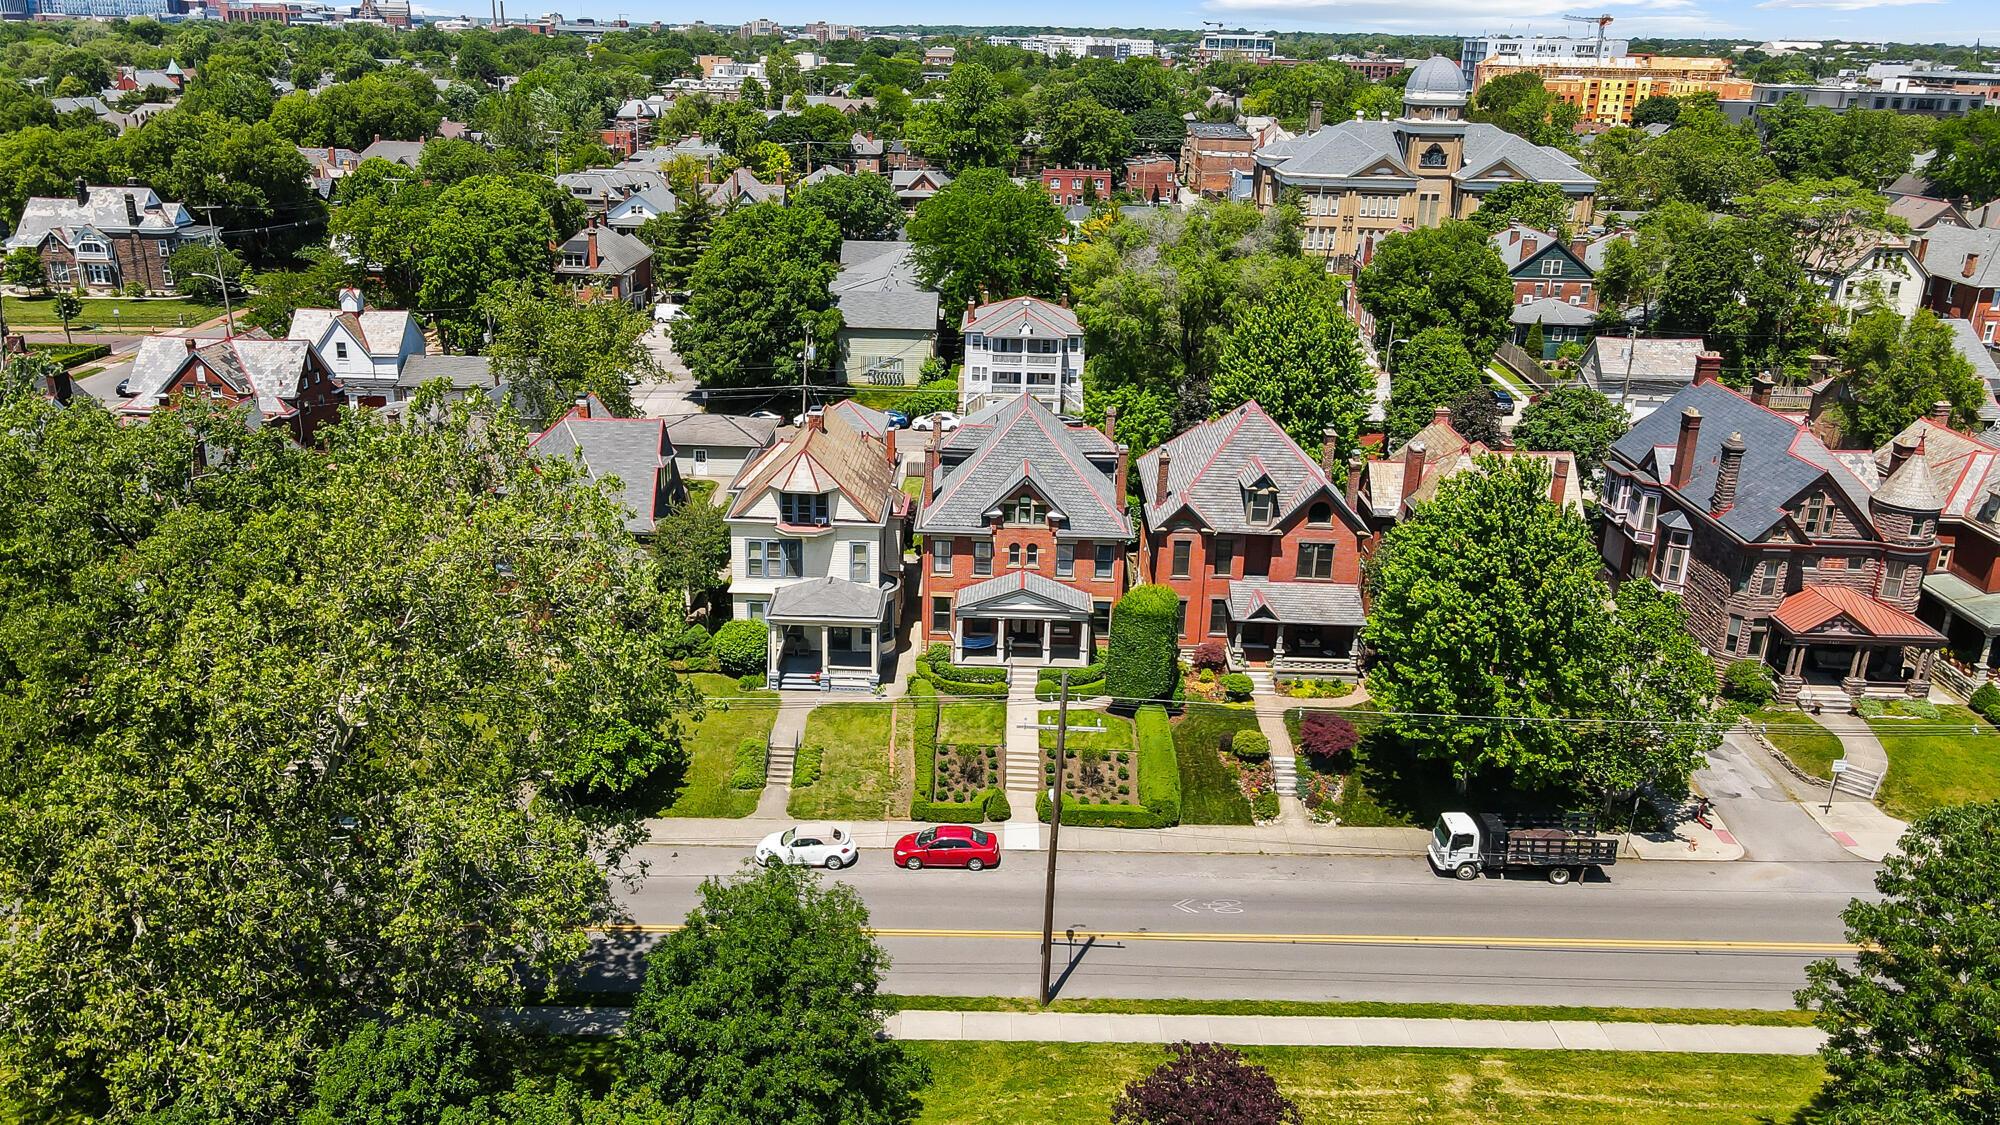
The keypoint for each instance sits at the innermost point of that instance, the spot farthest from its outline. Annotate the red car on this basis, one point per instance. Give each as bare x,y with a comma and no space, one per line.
948,845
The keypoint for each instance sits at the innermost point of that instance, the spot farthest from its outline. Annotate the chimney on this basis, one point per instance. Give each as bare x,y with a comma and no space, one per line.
815,421
1728,468
590,247
970,305
1684,448
1559,482
1820,365
1328,458
131,209
1920,246
1941,414
1760,390
1111,424
1165,464
1314,115
1413,469
1441,416
189,342
1354,464
1528,247
1971,265
82,192
889,444
1899,452
1124,465
1707,367
931,454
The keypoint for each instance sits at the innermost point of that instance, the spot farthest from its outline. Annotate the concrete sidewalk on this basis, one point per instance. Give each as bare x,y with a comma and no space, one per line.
1365,1031
1278,839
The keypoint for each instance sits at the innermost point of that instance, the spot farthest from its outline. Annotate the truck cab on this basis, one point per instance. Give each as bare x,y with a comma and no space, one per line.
1454,845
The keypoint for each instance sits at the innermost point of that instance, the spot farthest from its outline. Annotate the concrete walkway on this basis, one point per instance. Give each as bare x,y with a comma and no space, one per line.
1284,767
1361,1031
788,726
1850,820
1021,763
1026,833
1857,740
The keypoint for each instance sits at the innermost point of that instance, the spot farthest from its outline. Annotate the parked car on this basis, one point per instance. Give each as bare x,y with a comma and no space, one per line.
769,415
665,312
810,845
897,419
943,420
948,845
1503,400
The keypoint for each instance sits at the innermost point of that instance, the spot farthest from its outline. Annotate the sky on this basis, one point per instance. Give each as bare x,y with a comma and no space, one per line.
1947,21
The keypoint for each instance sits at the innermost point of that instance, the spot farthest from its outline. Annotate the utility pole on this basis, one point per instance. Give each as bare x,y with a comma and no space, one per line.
1631,346
805,376
1055,831
215,252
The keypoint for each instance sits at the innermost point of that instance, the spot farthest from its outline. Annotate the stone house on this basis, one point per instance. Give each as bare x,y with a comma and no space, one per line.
106,238
278,382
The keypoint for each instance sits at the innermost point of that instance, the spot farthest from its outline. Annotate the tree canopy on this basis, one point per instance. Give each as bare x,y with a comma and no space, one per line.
1898,369
758,293
1431,370
1445,277
985,234
550,350
974,123
1967,164
862,205
1576,418
1298,356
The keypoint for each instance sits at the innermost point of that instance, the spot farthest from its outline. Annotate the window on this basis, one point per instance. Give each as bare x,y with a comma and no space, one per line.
1735,631
1433,157
340,349
1769,577
166,247
755,610
92,246
1107,556
1029,510
773,558
1065,559
1180,618
1034,555
1182,549
1100,616
98,273
1893,577
1649,510
940,556
1379,206
701,460
803,508
1263,505
858,570
1817,515
1552,268
982,557
574,261
1759,636
59,272
1013,554
1316,561
940,613
1320,515
1673,560
1224,555
1218,617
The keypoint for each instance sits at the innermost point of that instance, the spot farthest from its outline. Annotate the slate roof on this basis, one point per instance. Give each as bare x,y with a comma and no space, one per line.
617,253
632,211
382,332
1295,603
103,210
609,185
1781,458
1922,212
1344,150
1965,339
723,430
972,597
822,599
742,184
464,371
1435,81
268,369
1017,441
1446,454
1552,310
1949,248
1210,465
878,289
829,454
1658,367
634,450
402,152
1911,487
1217,131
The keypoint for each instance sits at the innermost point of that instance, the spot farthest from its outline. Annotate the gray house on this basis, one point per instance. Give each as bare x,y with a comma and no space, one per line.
716,446
888,320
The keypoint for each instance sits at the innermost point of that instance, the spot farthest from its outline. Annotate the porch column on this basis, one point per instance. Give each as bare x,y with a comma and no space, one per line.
1045,641
1859,664
875,650
1986,652
1796,660
774,655
825,649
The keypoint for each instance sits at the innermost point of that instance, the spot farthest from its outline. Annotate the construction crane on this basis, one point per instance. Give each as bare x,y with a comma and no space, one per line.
1602,22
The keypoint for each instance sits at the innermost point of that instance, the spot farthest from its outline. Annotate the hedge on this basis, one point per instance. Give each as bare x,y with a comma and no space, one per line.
742,646
1159,783
955,679
1748,682
805,767
1145,649
1986,703
70,355
925,694
749,765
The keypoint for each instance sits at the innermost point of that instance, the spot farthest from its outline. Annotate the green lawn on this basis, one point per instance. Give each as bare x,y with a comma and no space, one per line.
1073,1084
1938,762
1754,1017
110,313
1116,735
1811,747
972,722
1209,794
861,775
705,790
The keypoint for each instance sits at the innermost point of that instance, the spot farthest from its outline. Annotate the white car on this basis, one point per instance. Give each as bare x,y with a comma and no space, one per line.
810,845
943,420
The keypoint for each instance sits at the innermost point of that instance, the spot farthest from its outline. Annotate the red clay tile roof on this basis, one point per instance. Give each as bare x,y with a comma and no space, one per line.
1815,605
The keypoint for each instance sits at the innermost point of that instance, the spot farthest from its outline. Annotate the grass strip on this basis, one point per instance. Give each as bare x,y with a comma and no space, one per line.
1755,1017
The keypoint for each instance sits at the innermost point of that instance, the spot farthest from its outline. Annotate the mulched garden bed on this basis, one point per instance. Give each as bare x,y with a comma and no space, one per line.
964,772
1097,777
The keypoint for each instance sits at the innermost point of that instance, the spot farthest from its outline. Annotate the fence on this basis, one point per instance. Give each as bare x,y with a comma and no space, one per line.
1523,366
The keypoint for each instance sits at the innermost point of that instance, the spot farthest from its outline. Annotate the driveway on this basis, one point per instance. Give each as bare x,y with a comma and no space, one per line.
671,396
1760,807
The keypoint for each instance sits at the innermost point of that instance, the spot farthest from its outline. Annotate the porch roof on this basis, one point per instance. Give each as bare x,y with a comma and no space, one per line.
1295,603
833,600
1838,614
1023,593
1966,600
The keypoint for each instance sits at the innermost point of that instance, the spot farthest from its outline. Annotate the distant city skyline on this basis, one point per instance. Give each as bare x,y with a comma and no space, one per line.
1908,21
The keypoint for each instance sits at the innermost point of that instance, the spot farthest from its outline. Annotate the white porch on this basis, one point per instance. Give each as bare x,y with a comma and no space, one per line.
829,634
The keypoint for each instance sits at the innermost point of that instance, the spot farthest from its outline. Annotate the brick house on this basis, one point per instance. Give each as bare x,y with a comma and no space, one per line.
1963,268
1780,549
1542,266
105,238
607,264
1389,489
1961,595
1211,151
1070,186
279,382
1151,178
1263,550
1025,529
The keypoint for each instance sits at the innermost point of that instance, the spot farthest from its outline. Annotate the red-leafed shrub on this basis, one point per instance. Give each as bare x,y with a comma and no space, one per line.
1209,655
1329,740
1206,1083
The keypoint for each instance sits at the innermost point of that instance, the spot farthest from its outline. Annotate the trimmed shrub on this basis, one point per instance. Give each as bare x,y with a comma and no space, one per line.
1237,687
1250,746
1144,659
997,807
753,682
1159,783
690,642
1986,702
742,647
1210,655
1264,806
805,767
1749,682
749,765
1329,740
1869,708
924,696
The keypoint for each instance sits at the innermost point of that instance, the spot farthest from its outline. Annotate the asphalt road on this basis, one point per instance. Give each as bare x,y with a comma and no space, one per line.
1663,934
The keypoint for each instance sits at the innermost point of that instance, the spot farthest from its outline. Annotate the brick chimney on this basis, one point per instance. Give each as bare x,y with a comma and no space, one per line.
1707,367
1314,115
1354,464
1164,464
970,305
1728,469
1124,465
1684,448
889,444
815,421
931,455
82,192
1941,414
1971,265
1559,481
131,209
1413,469
1919,246
1328,458
1760,390
1111,424
590,246
1528,245
1441,416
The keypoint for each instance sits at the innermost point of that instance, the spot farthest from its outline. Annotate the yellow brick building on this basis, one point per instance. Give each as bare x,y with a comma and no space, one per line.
1608,90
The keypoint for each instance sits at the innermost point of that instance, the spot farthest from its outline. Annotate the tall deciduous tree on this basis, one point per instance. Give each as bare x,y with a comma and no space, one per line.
759,291
289,738
862,205
1441,277
1079,132
1541,206
549,350
985,232
693,545
1432,370
1912,1030
480,233
974,124
1299,356
1898,369
1576,418
1967,164
764,1008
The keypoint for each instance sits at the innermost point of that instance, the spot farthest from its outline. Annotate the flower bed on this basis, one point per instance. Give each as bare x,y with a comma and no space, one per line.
962,774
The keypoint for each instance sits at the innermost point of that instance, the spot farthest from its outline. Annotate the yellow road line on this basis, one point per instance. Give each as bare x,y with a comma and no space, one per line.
1696,945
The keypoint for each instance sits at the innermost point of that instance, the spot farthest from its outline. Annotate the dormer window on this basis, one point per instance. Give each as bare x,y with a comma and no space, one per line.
574,260
804,508
1817,515
1320,514
91,246
1029,511
1262,506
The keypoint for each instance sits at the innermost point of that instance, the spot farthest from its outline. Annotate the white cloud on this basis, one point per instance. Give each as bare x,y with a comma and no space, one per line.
1845,5
1540,16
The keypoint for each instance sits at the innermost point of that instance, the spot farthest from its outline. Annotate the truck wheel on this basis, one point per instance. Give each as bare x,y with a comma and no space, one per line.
1559,875
1467,872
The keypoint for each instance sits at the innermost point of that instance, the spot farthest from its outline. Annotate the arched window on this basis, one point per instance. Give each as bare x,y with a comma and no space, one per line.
1434,157
1034,555
1013,554
1320,514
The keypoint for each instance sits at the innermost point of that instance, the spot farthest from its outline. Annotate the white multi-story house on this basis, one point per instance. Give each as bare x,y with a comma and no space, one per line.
1022,345
1883,267
365,350
816,552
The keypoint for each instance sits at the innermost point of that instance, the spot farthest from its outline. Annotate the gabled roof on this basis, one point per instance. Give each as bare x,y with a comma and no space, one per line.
1952,247
1922,212
1021,316
103,210
1818,604
269,370
831,453
1965,340
742,184
382,333
878,289
1343,150
724,430
867,419
1210,465
1552,310
641,205
1020,590
1020,442
634,450
1295,603
1446,453
617,252
402,152
464,371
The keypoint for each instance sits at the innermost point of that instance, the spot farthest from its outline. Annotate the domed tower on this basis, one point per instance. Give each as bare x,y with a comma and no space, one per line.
1905,510
1435,92
1431,135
